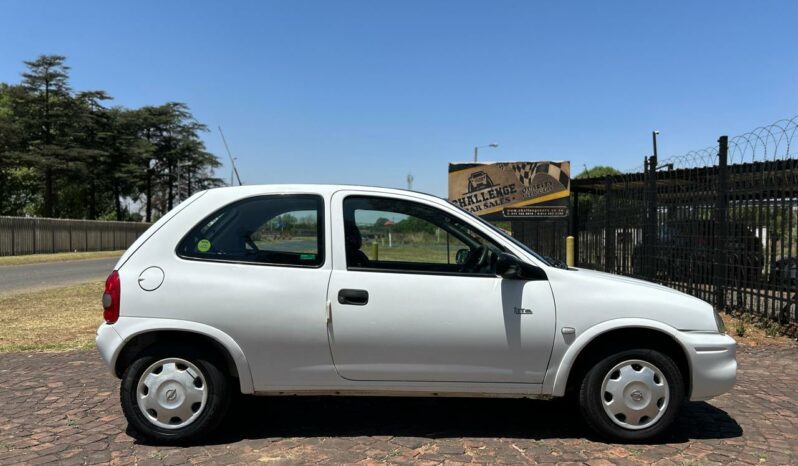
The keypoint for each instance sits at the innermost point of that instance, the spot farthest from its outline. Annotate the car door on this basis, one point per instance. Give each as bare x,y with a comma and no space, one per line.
411,302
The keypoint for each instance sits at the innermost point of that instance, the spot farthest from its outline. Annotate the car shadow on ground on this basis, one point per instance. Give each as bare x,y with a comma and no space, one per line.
282,417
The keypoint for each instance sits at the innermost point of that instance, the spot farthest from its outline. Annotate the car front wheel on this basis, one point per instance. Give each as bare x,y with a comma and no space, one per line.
173,396
633,395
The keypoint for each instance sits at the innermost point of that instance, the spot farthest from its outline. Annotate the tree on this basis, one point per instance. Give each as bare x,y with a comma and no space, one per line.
599,171
173,143
587,202
12,201
45,116
69,154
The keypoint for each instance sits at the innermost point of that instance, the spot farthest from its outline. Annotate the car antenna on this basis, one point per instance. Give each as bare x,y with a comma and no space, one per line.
232,160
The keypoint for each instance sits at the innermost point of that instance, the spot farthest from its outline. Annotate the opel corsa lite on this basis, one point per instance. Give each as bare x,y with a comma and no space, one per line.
345,290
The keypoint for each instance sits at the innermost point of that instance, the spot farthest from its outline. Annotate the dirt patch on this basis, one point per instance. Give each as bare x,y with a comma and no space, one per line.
748,332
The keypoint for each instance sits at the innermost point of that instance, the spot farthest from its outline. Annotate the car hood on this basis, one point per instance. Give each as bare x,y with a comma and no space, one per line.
609,277
591,297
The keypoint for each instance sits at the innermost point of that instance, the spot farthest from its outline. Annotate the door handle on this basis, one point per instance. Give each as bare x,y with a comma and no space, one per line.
353,297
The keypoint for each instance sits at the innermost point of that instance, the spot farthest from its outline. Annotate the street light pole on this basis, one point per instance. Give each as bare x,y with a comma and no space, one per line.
654,135
476,150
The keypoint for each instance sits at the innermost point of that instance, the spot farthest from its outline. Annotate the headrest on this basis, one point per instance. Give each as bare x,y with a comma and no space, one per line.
353,238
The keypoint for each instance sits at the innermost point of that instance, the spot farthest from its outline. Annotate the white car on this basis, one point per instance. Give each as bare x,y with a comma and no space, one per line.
347,290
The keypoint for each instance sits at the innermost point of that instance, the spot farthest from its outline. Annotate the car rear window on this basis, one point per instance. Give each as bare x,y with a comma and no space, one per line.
273,230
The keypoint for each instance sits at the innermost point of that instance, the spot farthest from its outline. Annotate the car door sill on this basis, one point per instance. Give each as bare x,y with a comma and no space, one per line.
525,391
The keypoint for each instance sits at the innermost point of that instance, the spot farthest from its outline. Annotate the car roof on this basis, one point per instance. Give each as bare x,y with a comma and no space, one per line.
324,189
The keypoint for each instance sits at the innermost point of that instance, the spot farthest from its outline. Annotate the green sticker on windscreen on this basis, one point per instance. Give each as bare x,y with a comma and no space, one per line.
204,245
307,257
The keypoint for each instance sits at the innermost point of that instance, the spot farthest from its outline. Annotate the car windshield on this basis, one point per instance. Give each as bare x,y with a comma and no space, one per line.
546,260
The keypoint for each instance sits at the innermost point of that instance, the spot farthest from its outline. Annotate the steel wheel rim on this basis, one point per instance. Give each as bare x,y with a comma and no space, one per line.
172,393
635,394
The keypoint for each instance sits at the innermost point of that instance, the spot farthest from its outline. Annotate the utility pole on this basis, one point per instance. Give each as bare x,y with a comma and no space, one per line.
232,160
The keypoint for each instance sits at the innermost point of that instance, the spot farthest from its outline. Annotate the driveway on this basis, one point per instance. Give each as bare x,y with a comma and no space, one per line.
64,408
51,274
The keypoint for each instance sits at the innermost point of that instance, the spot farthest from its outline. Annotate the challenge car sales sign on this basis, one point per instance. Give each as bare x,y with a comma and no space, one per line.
498,190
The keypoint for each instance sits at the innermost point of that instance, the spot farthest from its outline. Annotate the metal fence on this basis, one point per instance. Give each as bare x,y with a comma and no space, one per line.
720,224
23,235
546,237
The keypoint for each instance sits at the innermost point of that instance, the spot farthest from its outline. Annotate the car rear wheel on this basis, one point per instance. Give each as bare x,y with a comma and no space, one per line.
173,396
633,395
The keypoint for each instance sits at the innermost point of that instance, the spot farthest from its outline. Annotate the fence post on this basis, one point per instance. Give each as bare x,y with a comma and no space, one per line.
609,233
573,226
721,230
569,251
650,219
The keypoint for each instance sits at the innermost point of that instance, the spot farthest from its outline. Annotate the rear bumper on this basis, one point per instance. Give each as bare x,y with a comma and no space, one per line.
713,364
108,344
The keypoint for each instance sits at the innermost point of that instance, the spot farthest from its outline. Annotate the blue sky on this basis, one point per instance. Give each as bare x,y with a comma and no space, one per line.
367,91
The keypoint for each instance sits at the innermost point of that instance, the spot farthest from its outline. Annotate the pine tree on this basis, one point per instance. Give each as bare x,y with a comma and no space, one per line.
46,119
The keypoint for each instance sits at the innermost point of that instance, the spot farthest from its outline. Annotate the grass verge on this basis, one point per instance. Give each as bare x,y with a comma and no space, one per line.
57,257
56,319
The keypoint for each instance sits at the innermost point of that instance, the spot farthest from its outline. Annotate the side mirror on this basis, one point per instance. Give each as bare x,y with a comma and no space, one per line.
462,256
510,267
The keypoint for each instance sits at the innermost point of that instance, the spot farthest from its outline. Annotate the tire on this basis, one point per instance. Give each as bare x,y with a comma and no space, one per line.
186,413
648,385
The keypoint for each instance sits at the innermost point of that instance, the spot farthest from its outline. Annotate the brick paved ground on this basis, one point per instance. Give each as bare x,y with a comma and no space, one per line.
63,408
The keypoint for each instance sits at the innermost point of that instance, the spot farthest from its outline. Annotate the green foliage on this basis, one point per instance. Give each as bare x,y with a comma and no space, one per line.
588,203
413,225
740,327
68,154
598,171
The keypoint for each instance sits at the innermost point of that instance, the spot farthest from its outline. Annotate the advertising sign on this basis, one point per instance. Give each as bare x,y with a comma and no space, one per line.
506,189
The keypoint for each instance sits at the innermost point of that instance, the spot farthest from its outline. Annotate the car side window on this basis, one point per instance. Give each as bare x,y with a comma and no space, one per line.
274,230
397,235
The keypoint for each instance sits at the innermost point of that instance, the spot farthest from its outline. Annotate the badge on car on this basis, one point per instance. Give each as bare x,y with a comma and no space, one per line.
522,310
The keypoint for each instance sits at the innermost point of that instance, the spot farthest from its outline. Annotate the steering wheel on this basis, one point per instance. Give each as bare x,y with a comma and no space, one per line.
476,259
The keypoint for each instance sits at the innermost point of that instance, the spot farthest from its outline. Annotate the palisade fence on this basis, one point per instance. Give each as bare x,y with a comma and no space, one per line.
720,223
28,235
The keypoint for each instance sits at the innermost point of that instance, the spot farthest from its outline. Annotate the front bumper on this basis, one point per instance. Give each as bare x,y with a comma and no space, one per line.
713,364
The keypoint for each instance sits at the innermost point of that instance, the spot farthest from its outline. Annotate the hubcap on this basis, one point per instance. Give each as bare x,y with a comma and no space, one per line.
635,394
172,393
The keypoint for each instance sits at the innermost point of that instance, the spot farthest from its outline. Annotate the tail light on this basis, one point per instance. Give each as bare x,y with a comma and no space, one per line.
111,297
